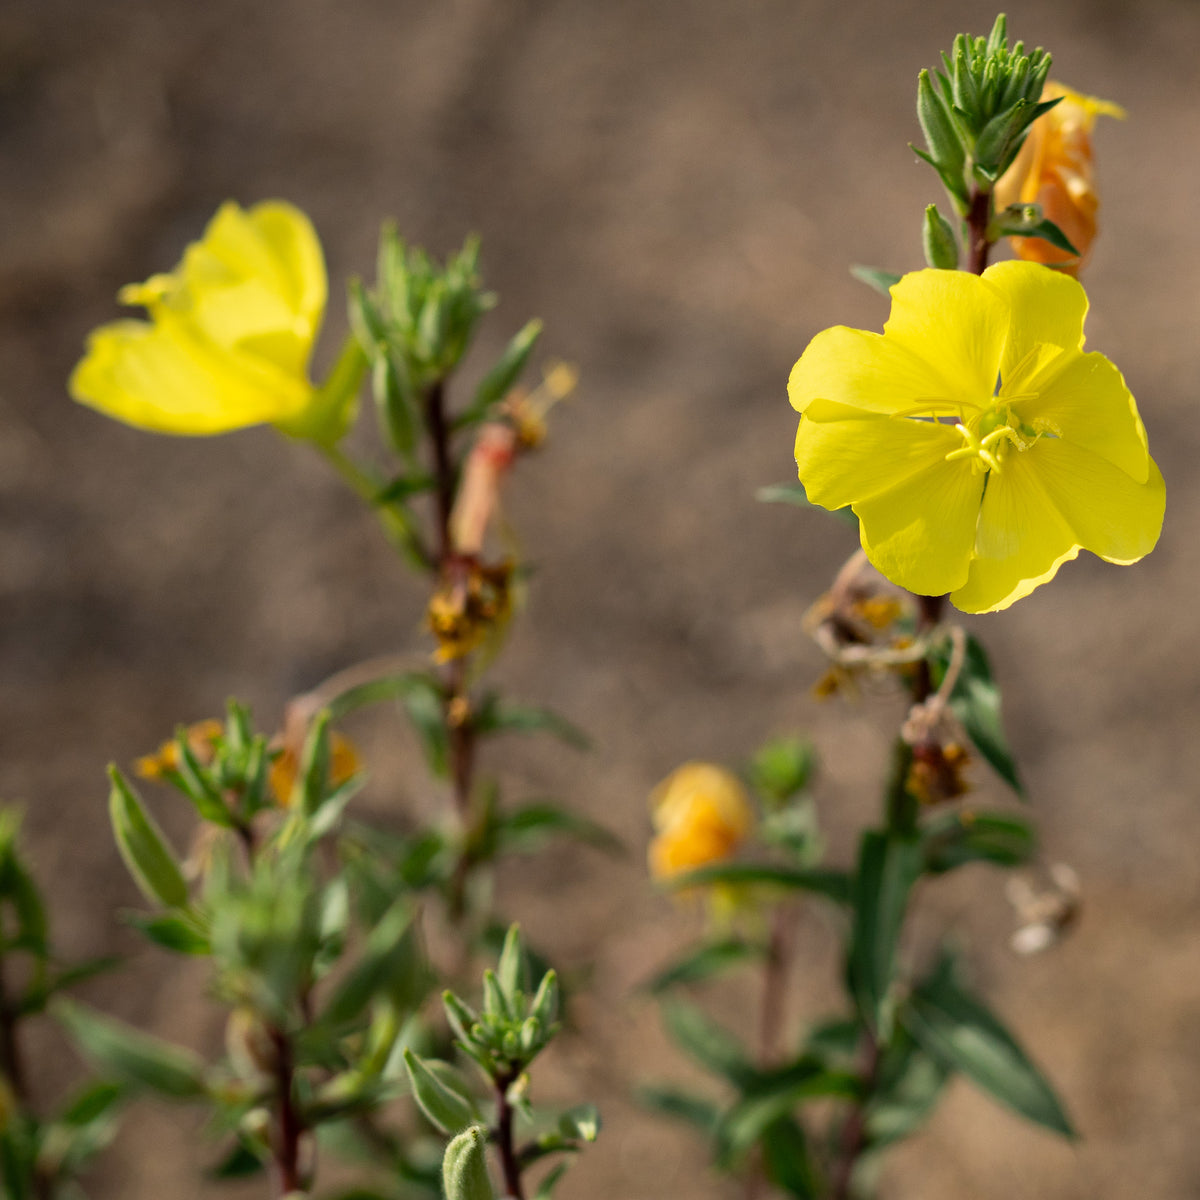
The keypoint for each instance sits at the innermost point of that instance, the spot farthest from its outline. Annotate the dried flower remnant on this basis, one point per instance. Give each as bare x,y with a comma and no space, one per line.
1055,169
472,604
1046,913
977,443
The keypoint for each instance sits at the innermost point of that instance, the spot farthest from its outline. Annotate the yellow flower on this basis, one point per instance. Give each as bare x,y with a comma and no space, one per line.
1054,169
230,334
979,446
701,813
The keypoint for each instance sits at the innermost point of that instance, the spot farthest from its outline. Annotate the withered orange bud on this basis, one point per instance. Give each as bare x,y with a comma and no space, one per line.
1055,169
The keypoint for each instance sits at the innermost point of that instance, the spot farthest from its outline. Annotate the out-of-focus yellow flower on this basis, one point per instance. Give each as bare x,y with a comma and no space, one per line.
201,738
344,764
230,334
701,814
1055,169
977,443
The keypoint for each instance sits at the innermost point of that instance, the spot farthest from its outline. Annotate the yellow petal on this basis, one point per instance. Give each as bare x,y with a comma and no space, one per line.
919,533
1088,404
1109,513
1021,540
157,377
1048,309
845,455
957,323
866,370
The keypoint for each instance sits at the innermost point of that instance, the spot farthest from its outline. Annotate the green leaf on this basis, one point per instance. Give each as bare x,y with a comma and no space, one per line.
951,839
782,768
528,828
85,1127
131,1056
464,1167
794,494
546,1187
179,931
774,1094
787,1162
975,701
693,1110
1049,232
956,1029
834,885
423,700
445,1106
391,964
875,278
496,384
705,961
708,1043
888,866
497,716
909,1085
143,847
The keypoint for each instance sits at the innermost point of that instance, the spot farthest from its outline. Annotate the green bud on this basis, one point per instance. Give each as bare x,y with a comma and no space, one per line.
464,1167
545,1003
462,1018
941,246
943,137
495,1002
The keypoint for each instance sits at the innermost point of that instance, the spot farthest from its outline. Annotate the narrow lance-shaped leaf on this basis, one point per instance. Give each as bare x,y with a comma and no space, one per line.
445,1107
959,1031
150,861
888,866
131,1056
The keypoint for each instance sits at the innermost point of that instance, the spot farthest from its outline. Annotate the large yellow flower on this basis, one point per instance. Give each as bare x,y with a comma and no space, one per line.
979,446
230,334
1055,169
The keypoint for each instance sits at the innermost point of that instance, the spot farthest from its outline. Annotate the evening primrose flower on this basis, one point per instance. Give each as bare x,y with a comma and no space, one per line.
1054,169
701,813
977,443
230,333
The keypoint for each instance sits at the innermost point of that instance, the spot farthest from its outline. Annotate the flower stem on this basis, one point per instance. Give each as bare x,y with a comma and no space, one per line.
289,1127
510,1164
979,216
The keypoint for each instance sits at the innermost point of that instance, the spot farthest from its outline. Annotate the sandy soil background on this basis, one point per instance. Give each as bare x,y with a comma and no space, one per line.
678,188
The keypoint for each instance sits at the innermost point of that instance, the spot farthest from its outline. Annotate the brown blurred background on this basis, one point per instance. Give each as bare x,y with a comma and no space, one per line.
678,188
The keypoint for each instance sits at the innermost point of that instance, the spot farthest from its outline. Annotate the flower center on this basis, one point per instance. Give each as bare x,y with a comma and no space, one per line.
987,438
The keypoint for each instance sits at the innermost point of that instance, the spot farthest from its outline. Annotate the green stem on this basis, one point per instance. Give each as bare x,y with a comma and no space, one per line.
397,525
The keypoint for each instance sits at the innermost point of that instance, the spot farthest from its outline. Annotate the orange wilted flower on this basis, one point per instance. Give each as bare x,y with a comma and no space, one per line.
1054,169
344,764
201,738
701,814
